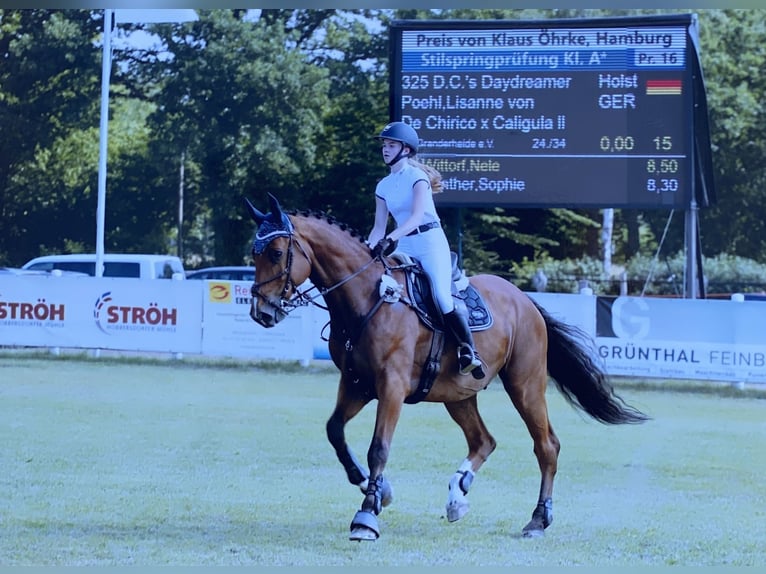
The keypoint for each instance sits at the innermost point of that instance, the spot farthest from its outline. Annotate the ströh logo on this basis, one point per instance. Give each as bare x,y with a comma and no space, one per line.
111,318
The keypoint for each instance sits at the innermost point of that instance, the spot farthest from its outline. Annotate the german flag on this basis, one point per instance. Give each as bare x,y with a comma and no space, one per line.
663,87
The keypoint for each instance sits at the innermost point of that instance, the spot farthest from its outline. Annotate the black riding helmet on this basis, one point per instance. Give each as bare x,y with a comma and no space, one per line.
400,132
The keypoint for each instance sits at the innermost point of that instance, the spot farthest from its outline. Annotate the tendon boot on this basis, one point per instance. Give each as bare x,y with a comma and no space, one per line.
468,359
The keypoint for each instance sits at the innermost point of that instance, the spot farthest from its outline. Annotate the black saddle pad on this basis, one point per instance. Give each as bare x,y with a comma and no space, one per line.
421,293
479,317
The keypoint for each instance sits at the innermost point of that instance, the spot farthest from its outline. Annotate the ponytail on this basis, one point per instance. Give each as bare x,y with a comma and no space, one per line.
432,173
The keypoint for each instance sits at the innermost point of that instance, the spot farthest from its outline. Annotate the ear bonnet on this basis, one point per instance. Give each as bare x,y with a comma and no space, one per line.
272,227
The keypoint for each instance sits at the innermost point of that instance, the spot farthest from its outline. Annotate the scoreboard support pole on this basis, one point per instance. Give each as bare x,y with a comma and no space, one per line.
691,290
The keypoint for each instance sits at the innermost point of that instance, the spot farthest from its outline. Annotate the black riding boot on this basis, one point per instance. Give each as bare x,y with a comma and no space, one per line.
468,358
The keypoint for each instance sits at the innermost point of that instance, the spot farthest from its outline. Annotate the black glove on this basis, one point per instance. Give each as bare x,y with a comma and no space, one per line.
385,246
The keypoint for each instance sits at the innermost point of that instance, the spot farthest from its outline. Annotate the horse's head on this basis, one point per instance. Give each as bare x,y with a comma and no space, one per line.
276,273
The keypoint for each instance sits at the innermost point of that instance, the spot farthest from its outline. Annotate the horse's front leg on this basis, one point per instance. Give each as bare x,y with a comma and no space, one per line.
348,407
480,445
364,526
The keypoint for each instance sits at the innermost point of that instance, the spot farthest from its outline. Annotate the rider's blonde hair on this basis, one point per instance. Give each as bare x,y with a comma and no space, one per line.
432,173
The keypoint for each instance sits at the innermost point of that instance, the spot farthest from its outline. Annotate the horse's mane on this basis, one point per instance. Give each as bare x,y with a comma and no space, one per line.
324,216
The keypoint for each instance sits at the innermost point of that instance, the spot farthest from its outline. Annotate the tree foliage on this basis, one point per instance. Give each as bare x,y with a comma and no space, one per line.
734,59
48,97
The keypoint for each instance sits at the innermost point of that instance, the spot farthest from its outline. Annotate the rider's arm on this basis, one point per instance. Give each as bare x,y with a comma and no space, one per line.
381,221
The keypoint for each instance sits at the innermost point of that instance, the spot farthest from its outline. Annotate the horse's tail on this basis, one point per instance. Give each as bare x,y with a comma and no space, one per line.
582,381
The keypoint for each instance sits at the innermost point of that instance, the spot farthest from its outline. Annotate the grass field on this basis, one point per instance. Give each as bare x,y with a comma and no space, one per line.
109,462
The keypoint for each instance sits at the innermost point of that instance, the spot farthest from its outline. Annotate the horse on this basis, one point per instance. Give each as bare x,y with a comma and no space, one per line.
382,346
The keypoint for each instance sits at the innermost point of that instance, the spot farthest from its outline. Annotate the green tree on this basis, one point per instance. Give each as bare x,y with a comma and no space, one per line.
733,58
349,164
49,85
247,110
287,102
50,111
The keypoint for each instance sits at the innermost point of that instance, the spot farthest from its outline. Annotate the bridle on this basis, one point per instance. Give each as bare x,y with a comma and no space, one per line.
286,273
301,298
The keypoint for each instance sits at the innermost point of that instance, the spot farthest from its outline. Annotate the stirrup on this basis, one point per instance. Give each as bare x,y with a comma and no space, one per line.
469,362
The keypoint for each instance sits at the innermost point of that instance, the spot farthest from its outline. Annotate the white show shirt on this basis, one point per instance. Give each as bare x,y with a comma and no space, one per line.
431,248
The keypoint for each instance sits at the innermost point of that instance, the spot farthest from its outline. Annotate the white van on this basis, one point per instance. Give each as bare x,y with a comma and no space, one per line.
115,265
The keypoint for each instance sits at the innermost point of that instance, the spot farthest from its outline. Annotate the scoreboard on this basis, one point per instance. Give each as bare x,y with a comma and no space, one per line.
547,113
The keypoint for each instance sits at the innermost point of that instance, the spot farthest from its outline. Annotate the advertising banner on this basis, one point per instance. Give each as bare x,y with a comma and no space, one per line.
105,313
689,338
700,339
229,330
573,309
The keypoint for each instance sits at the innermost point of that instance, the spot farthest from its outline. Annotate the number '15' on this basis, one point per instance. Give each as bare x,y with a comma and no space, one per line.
664,143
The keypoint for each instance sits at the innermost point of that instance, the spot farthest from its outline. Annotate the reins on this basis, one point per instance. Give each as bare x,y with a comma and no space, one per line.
348,331
302,298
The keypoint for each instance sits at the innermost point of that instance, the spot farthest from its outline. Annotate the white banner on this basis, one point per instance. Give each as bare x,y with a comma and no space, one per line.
577,310
229,330
105,313
635,336
683,339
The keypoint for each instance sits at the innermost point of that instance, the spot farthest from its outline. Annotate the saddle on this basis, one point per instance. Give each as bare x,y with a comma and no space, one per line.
423,301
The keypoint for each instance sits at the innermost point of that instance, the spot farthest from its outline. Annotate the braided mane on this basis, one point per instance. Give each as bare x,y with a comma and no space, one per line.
329,219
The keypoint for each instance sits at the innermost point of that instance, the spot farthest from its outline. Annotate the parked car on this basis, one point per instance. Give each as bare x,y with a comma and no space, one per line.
11,271
136,265
40,272
224,273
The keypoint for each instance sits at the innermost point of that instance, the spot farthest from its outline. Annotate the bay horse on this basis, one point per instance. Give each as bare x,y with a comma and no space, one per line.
381,347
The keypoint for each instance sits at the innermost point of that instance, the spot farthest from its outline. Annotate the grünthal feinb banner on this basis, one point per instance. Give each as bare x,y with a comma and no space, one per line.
682,339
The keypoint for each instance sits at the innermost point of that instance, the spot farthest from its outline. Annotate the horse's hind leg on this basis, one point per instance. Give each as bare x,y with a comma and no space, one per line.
527,391
480,445
346,408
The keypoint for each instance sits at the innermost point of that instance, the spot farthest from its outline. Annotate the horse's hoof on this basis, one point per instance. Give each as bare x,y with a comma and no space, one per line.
362,533
364,526
456,510
541,519
535,529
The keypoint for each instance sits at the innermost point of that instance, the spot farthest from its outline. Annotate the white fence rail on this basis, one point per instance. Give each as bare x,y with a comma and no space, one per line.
649,337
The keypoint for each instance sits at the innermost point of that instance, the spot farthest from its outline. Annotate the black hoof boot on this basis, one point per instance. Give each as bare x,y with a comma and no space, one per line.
542,517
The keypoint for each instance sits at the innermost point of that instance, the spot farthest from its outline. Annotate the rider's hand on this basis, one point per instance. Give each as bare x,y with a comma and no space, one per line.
385,246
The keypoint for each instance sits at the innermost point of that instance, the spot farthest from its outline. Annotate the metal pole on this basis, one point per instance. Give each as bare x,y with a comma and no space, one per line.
106,70
692,291
180,243
459,234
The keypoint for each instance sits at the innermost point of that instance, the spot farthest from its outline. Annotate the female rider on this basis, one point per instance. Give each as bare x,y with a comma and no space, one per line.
406,194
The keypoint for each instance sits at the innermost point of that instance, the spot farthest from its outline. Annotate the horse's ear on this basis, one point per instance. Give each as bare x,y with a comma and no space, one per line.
276,209
257,216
